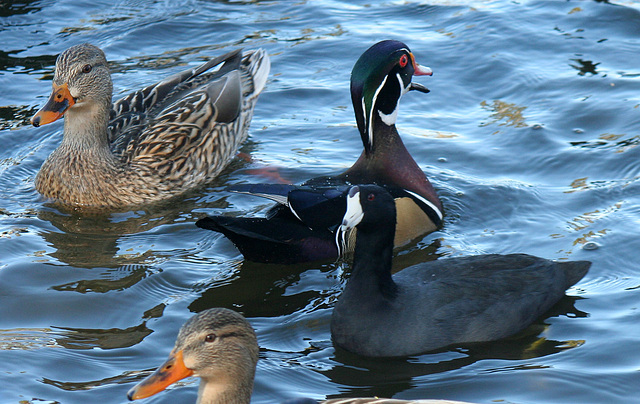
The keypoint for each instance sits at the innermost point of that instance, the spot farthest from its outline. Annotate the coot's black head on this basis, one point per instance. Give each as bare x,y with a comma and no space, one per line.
369,208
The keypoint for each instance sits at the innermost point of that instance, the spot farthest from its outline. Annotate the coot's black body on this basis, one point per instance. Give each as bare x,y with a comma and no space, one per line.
438,303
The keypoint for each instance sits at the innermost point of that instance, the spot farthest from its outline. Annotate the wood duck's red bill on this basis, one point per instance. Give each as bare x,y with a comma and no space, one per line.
420,70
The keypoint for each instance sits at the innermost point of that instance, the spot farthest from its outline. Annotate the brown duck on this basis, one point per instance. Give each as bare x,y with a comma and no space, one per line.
220,347
152,144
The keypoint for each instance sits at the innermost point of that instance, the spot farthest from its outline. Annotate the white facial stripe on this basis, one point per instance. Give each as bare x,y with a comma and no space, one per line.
426,202
404,89
391,118
364,112
373,103
387,119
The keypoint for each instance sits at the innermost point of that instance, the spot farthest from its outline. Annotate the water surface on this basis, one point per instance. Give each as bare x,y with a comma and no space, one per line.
529,134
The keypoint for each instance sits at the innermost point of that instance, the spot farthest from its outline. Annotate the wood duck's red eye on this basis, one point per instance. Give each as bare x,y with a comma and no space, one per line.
371,197
404,59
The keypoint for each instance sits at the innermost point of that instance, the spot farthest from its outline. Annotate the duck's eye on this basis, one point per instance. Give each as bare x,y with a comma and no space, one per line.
371,197
404,59
210,338
86,68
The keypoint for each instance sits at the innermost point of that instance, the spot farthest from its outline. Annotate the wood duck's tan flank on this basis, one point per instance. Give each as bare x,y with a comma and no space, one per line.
152,144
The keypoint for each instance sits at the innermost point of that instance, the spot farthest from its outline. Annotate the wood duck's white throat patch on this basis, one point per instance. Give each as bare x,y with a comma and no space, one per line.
389,119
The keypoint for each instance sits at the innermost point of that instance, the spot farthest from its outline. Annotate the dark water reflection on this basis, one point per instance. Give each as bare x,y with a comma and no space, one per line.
529,134
258,292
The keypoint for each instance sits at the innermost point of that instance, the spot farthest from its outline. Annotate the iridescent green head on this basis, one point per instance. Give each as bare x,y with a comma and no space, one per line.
379,78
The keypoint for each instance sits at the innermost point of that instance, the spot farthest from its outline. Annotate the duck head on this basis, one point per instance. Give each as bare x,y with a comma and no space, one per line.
219,346
81,79
379,78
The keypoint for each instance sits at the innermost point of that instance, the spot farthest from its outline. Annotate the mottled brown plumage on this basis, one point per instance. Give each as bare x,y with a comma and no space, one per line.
155,143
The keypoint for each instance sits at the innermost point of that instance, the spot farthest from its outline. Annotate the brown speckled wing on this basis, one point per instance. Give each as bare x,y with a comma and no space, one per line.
142,112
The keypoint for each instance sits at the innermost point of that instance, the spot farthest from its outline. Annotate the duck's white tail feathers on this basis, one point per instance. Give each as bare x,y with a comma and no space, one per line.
256,66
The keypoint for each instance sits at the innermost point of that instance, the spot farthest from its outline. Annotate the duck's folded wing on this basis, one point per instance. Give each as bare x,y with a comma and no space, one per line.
282,239
321,204
300,227
314,206
276,192
486,297
319,207
179,99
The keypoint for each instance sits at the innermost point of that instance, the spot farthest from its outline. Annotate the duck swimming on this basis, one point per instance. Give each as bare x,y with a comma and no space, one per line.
380,77
152,144
438,303
220,347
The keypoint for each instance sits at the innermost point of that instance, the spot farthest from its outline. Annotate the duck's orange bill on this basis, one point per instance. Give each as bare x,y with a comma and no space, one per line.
170,372
59,102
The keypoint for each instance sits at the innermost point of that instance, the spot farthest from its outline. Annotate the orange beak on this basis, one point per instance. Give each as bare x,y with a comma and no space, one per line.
59,102
170,372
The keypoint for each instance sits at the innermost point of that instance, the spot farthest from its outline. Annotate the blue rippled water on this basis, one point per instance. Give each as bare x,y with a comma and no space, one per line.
529,134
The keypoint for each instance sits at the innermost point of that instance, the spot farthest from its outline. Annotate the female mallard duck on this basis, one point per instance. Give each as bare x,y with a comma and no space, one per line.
379,79
438,303
220,347
153,144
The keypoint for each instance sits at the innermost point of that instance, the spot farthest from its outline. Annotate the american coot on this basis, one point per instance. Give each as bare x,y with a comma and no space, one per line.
379,79
439,303
152,144
219,346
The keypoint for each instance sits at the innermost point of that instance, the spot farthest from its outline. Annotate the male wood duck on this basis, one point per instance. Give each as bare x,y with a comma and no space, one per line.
379,79
152,144
220,347
437,303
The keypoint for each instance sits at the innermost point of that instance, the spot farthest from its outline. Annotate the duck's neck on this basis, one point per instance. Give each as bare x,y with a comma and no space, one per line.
85,128
387,153
385,137
388,162
371,271
220,392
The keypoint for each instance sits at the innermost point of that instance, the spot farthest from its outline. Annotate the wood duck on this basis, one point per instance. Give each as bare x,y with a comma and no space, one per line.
220,347
438,303
378,80
152,144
